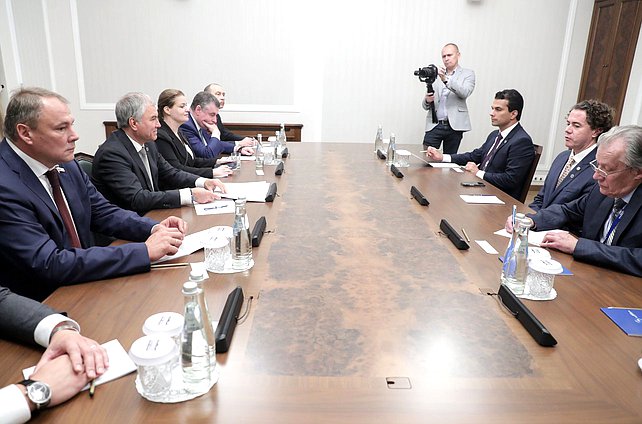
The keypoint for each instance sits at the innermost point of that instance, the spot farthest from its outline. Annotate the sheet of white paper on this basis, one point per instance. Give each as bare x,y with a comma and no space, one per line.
215,208
534,237
260,172
120,364
253,191
191,243
248,158
461,171
444,165
481,199
487,247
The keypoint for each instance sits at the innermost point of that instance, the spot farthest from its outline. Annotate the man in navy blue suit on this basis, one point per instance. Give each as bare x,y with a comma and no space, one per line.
610,214
571,175
49,208
505,158
202,132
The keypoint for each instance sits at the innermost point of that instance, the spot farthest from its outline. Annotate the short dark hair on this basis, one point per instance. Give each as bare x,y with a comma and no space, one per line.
599,115
203,98
515,100
25,107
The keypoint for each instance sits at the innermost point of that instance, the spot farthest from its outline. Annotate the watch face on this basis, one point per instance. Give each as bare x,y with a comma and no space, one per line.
39,393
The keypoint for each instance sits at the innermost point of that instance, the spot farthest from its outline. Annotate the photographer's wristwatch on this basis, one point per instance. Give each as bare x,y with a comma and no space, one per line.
39,393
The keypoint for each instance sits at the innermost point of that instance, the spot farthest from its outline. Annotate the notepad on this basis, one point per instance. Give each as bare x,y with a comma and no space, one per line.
481,199
628,319
120,364
253,191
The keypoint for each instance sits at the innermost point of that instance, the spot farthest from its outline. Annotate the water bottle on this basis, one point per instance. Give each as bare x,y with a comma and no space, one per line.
277,147
199,278
390,156
515,266
242,251
195,357
259,156
379,140
283,136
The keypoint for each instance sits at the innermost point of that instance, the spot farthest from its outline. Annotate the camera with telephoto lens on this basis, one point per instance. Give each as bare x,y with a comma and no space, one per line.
427,74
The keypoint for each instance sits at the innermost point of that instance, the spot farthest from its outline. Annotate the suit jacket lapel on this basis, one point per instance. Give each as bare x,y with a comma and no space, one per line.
507,139
28,177
122,137
599,213
151,158
631,209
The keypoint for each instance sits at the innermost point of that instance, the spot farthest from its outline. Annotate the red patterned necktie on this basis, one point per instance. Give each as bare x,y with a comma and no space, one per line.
54,180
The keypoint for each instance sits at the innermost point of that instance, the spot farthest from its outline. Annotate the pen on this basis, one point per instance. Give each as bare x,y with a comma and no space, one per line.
169,265
465,235
513,215
423,151
92,388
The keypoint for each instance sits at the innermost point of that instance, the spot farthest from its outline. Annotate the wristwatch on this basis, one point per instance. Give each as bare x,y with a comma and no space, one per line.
38,392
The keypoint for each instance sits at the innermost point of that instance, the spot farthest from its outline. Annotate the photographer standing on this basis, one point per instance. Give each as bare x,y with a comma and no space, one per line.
452,88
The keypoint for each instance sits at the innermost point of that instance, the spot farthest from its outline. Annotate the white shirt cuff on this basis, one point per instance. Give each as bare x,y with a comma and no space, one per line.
14,406
186,196
446,158
480,174
200,182
44,328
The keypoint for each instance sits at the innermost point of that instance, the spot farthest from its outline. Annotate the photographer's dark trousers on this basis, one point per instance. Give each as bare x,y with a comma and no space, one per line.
443,132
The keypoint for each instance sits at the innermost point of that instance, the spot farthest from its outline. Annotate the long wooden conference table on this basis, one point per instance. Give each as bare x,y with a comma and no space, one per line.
362,312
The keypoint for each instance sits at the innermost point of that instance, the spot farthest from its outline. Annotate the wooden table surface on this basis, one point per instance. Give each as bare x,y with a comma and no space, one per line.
353,287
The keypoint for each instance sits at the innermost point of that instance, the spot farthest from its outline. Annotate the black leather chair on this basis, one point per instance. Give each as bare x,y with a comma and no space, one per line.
531,172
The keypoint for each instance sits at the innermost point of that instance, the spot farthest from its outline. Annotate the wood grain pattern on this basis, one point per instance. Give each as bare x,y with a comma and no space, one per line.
352,284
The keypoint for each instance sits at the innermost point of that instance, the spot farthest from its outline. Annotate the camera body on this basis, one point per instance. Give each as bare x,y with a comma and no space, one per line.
427,74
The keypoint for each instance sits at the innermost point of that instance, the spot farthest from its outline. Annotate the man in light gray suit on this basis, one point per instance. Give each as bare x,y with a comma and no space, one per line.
452,88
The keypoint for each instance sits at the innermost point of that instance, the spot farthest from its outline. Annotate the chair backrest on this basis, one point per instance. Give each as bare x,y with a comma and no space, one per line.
531,172
85,161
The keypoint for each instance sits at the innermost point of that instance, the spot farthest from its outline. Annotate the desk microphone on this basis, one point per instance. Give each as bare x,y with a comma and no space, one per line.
453,235
258,231
420,198
279,169
526,317
284,153
381,155
227,322
396,172
271,193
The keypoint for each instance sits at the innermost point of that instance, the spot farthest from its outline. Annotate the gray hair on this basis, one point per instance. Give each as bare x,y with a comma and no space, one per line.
203,98
25,107
132,105
631,135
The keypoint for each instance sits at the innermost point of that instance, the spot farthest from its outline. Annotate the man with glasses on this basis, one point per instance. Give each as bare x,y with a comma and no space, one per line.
611,214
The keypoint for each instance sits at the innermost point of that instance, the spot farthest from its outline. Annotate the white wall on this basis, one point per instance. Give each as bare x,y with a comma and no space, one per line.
340,68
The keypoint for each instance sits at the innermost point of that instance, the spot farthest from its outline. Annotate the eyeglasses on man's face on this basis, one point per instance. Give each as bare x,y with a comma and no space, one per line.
602,172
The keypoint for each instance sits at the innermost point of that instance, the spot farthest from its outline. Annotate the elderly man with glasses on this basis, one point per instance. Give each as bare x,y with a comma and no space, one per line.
611,214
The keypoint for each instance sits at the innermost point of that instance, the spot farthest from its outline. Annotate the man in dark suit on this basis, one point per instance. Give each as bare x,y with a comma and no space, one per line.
506,156
202,132
129,171
50,208
571,175
67,365
226,135
610,214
